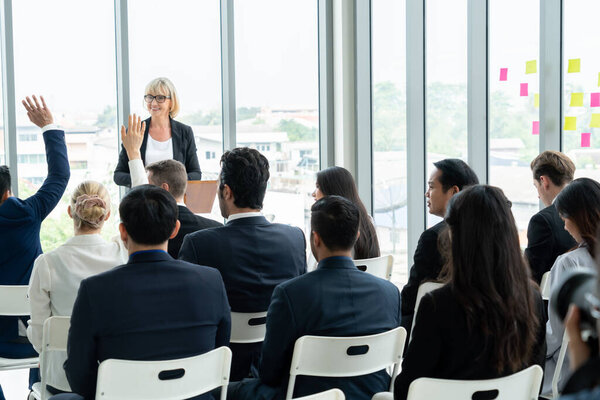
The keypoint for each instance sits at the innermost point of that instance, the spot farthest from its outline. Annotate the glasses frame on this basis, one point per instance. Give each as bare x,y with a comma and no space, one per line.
152,98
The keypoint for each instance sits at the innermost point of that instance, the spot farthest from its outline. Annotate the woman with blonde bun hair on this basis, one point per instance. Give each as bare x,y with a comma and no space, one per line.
57,274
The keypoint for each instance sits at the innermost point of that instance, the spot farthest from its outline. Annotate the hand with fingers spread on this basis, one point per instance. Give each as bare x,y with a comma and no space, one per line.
133,136
40,115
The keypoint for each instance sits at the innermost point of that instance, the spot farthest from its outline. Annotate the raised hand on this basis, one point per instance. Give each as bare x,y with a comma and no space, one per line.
133,136
40,115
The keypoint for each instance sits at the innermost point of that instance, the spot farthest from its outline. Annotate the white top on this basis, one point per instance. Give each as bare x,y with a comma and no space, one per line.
158,151
56,277
233,217
579,258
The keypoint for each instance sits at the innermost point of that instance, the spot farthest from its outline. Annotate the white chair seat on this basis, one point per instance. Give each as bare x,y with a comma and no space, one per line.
36,392
18,363
383,396
333,394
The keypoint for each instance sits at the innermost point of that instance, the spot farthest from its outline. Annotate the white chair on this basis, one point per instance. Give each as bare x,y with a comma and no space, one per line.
330,356
523,385
424,288
164,380
381,267
545,286
15,303
558,368
248,327
54,343
333,394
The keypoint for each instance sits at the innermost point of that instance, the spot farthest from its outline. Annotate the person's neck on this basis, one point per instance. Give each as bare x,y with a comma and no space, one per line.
79,232
133,247
160,122
554,191
326,253
179,200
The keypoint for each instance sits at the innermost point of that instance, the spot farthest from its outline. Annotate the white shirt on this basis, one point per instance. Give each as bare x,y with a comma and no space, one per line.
158,151
55,281
233,217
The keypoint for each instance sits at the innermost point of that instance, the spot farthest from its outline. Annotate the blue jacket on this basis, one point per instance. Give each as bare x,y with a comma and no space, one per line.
20,222
152,308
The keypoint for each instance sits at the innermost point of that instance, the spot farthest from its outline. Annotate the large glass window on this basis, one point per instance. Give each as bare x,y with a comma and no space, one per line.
581,97
446,82
388,50
276,55
514,103
71,60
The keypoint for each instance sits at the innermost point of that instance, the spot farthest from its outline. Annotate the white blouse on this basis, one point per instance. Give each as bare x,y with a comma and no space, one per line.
55,282
158,151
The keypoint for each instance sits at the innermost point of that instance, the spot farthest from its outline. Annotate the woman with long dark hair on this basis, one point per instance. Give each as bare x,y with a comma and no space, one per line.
339,181
486,322
578,204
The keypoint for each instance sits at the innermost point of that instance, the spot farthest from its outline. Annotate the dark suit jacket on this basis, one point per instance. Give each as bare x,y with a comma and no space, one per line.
184,150
253,257
152,308
441,346
427,266
334,300
20,222
190,223
546,240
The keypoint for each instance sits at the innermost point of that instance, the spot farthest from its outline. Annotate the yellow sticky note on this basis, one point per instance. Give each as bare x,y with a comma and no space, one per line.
571,123
574,65
576,100
531,67
536,100
595,121
598,78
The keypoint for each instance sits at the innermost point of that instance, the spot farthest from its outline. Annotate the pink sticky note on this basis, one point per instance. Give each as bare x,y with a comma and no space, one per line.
536,128
585,139
595,101
524,89
503,74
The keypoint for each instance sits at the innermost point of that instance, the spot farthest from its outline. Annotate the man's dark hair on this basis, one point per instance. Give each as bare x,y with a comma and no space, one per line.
149,214
246,172
336,220
555,165
455,172
4,179
171,172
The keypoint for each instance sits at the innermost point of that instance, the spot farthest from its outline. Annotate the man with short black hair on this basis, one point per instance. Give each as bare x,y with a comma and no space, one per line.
449,177
153,307
336,299
546,234
252,254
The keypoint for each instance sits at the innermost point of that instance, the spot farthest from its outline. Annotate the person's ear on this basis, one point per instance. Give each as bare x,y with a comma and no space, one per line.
545,182
176,229
165,186
5,196
123,234
455,189
107,216
316,239
69,212
358,234
227,193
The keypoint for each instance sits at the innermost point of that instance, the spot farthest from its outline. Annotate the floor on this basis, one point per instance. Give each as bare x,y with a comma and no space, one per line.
14,384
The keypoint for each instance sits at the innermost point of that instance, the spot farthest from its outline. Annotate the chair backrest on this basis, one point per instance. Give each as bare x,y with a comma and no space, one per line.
424,288
545,286
381,267
164,380
54,341
333,394
346,356
523,385
14,300
248,327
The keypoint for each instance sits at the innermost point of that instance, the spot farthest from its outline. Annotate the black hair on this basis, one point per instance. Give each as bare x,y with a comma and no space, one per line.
149,214
4,179
246,172
336,220
455,172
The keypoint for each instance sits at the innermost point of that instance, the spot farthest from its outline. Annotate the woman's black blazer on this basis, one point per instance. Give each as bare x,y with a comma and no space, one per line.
184,150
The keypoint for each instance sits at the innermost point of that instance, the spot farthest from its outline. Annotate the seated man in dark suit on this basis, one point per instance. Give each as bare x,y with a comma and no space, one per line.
171,175
153,307
336,299
252,254
546,234
449,177
20,222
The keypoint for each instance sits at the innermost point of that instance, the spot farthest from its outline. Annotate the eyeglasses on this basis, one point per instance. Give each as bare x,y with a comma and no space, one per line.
159,99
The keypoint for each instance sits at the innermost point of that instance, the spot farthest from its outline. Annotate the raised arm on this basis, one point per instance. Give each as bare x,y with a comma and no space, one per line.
132,139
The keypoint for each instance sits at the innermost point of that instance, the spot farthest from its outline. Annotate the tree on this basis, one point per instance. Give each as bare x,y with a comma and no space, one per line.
296,131
108,118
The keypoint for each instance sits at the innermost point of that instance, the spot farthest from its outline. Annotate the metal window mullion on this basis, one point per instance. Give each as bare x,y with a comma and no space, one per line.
8,92
228,75
477,83
326,105
122,68
415,121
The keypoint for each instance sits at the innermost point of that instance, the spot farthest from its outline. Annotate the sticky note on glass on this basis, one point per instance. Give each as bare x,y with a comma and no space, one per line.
535,128
576,100
524,89
595,100
574,65
595,121
571,123
531,67
586,139
536,100
503,74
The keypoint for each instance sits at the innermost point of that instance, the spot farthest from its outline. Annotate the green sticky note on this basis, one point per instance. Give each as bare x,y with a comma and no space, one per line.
531,67
576,100
574,65
571,123
536,100
595,121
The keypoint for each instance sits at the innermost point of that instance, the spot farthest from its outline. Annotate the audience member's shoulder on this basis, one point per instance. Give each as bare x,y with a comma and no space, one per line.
14,208
210,233
294,230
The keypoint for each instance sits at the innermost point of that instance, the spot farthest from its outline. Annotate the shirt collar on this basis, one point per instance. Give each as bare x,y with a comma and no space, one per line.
233,217
182,205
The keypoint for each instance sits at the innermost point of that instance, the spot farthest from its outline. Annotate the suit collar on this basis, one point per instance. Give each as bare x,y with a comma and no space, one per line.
149,256
258,220
336,263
